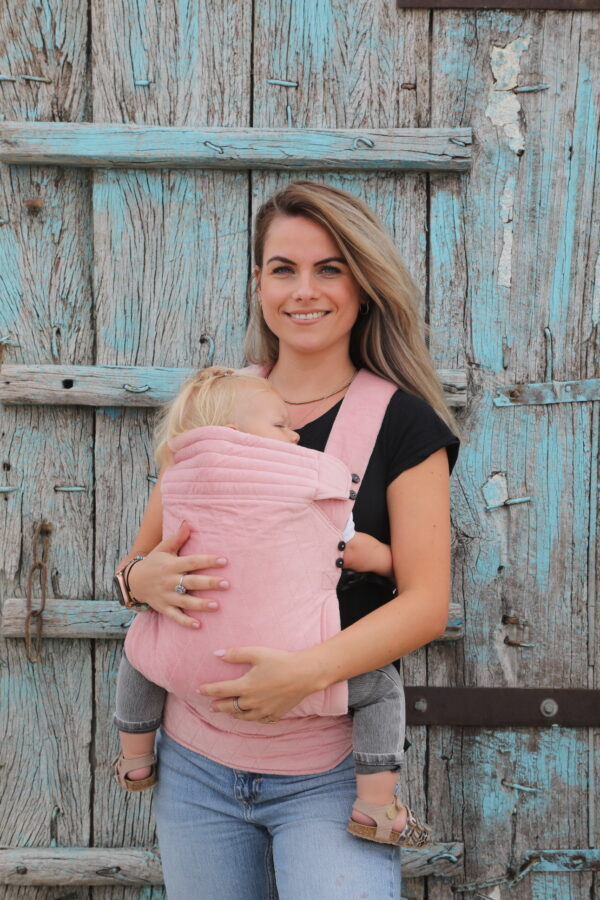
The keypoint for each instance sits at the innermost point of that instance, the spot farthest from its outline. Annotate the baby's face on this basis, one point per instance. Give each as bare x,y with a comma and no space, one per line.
265,414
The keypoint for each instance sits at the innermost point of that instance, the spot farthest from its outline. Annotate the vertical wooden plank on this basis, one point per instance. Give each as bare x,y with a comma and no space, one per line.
350,61
171,261
45,313
511,258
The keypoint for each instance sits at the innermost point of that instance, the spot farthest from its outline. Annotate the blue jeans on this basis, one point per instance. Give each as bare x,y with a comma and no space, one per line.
243,836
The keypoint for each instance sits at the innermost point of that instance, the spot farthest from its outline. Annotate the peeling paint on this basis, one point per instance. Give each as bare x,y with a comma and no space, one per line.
596,294
507,199
495,490
506,655
503,105
493,893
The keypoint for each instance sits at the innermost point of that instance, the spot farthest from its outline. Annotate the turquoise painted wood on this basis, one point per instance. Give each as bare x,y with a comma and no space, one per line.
408,149
136,266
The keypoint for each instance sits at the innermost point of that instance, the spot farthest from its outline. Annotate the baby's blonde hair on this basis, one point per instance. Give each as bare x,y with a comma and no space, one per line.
206,398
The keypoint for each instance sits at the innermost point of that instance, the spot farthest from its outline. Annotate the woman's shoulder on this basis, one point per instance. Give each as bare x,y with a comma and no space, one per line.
411,430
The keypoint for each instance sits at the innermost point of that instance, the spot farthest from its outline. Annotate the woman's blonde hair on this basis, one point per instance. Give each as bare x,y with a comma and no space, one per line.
389,339
206,398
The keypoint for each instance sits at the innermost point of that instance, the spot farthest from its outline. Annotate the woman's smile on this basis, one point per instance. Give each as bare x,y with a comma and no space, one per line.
307,318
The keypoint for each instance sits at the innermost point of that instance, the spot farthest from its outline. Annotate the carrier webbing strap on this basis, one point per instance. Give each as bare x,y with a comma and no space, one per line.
358,421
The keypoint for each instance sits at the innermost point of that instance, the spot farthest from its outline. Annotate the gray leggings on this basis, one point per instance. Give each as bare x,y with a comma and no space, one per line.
375,700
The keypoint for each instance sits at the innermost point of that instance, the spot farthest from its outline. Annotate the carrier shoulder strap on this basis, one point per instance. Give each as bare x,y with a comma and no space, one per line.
358,421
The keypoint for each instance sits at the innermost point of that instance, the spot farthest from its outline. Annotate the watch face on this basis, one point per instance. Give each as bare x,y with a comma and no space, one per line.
120,589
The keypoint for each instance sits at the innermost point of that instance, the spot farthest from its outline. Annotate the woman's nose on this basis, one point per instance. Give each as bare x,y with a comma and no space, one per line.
305,288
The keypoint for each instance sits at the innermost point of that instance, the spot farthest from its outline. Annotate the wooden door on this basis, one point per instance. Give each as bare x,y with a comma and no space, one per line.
144,267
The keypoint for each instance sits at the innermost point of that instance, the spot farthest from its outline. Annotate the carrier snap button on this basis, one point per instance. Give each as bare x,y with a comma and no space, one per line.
342,545
355,479
352,495
339,562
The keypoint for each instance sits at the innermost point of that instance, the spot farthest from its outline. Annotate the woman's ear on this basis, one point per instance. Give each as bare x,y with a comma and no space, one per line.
256,274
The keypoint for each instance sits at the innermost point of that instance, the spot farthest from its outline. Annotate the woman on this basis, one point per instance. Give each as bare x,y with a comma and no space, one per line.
331,296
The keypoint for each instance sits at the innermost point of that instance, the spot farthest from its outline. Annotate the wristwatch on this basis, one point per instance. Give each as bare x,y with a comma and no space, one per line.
121,584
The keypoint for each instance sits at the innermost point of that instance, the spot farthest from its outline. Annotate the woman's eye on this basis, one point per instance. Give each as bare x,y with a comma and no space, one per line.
280,269
331,268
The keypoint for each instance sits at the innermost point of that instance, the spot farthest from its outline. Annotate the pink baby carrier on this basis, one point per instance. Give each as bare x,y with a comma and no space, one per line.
276,511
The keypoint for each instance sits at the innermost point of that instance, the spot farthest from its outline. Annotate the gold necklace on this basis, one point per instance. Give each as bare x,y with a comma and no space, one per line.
318,399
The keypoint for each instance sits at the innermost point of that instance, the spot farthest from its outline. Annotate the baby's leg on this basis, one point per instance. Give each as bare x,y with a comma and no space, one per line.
377,699
378,727
139,706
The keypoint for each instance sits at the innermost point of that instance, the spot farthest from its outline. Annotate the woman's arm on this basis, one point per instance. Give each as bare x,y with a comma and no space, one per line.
419,512
153,580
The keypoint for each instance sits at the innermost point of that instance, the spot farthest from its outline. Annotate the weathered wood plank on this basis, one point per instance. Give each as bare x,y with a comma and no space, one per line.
45,312
80,865
171,263
519,227
138,386
140,146
105,619
138,866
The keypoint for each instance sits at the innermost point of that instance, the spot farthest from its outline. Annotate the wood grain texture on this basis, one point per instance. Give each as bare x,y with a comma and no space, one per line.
171,261
511,296
137,386
137,146
45,254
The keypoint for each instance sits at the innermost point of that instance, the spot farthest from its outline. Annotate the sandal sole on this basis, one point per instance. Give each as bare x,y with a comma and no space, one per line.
395,838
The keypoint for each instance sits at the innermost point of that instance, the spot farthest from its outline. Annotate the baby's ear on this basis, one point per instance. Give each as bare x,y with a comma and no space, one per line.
231,425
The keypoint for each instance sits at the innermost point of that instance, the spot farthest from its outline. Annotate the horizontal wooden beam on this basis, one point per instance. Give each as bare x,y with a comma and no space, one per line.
107,619
130,385
137,866
145,146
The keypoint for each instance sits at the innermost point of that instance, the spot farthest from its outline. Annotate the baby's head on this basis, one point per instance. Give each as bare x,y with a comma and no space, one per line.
220,396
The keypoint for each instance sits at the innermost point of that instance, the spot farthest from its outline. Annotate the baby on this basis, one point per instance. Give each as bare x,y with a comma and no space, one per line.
248,404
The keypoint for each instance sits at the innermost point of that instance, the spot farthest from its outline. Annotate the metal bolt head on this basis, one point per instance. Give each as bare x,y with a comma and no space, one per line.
549,707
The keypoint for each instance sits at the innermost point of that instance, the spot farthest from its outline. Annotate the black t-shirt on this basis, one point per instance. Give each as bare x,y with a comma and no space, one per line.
410,432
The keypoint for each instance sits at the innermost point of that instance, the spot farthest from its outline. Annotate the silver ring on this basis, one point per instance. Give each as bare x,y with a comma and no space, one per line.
237,706
180,589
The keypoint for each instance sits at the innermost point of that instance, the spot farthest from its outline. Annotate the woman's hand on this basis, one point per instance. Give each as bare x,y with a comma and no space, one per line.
153,580
277,681
364,553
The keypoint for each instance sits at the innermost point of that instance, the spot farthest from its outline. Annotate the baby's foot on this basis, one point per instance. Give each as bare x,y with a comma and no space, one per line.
139,777
398,824
138,774
407,830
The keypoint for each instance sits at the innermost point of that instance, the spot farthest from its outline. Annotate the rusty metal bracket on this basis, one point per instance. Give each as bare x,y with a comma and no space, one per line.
548,392
487,707
42,534
578,860
580,5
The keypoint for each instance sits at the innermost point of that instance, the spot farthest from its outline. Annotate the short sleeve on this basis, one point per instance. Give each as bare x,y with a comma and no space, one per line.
411,431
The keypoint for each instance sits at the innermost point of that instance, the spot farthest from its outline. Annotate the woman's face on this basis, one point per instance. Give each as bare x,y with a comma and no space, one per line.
309,297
